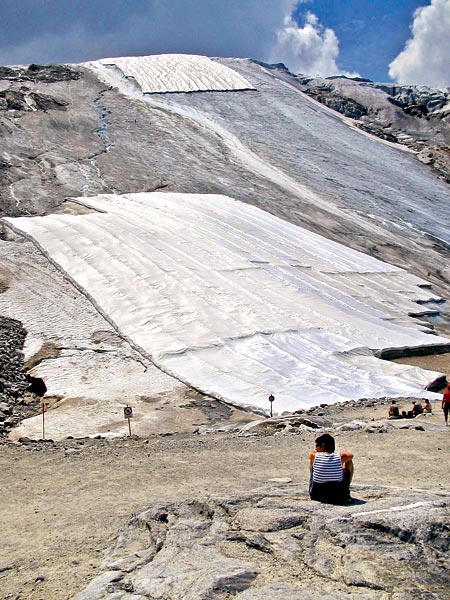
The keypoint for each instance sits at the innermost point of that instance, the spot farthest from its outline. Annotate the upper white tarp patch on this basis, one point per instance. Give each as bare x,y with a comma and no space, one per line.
163,73
239,303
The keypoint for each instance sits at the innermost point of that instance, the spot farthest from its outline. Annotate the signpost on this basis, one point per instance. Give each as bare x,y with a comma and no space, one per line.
271,399
43,417
128,414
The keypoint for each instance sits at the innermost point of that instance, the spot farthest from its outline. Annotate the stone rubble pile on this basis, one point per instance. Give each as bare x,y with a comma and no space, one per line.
295,425
39,73
13,380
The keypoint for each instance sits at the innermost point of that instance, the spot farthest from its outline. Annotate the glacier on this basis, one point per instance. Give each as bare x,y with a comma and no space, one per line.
235,301
238,303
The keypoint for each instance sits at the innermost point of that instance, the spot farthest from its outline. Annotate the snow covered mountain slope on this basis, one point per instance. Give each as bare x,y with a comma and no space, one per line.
236,302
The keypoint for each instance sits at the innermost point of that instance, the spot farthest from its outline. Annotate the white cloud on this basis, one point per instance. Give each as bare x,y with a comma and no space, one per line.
311,49
425,59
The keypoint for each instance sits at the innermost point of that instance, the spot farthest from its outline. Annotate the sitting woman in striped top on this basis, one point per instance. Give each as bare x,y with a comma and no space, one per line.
331,472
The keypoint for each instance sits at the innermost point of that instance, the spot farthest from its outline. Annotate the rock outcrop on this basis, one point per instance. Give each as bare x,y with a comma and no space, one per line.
275,543
40,73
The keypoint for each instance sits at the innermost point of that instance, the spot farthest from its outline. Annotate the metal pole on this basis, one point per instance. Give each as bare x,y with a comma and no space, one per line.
271,399
43,418
129,426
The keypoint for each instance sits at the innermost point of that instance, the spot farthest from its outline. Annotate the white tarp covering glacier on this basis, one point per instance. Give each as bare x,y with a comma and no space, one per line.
163,73
239,303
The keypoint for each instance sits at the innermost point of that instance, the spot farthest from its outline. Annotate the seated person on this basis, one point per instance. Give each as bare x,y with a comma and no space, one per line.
427,407
416,409
331,472
394,412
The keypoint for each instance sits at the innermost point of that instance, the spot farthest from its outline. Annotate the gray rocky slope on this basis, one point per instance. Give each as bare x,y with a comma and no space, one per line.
416,116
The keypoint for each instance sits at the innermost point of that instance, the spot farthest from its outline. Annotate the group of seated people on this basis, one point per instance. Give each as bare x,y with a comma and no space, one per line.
416,409
331,472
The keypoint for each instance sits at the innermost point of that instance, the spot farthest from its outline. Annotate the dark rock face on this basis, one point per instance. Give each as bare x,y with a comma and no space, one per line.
419,101
23,100
12,100
45,102
40,73
329,97
277,544
12,378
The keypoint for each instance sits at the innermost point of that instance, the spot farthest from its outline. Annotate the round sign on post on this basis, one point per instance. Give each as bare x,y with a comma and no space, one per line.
271,399
128,414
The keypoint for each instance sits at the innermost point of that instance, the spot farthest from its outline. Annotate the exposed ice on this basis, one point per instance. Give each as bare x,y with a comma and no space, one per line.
239,303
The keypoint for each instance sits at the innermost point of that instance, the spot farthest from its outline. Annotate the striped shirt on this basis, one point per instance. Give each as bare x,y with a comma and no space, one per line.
327,467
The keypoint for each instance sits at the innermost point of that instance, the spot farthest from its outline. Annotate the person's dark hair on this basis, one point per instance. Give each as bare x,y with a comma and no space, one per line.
327,441
393,402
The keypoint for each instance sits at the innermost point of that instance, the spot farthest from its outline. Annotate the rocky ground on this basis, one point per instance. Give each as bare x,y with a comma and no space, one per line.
224,515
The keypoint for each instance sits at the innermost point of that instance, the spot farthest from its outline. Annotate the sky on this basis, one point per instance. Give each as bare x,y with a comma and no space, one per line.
404,41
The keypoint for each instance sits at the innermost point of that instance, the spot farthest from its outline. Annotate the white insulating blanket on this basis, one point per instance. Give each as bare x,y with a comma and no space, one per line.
239,303
163,73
